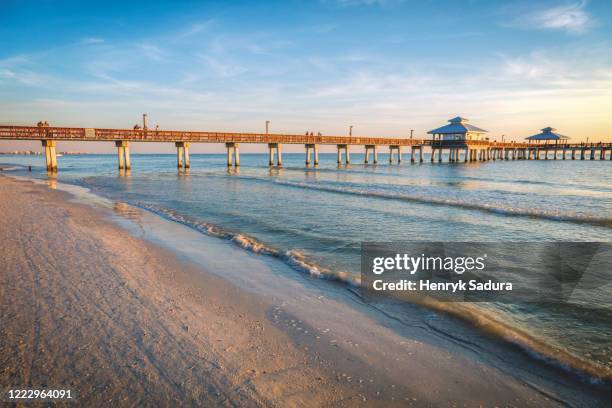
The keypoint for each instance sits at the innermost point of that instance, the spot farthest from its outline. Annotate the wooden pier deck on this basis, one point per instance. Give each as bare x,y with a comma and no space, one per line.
457,151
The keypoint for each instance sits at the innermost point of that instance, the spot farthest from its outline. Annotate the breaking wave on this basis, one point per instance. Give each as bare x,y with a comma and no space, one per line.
292,257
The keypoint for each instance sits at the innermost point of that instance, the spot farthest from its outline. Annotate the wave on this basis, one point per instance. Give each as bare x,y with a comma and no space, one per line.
510,211
296,259
487,321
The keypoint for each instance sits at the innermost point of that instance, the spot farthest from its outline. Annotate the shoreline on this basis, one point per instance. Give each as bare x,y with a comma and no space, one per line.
437,359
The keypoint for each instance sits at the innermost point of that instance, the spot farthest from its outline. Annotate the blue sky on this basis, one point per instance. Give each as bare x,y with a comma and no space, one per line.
384,66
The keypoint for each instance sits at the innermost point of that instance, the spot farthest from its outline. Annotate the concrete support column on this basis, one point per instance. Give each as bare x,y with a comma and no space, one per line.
126,152
179,155
233,154
271,155
186,155
275,148
307,147
314,148
582,151
121,164
228,146
433,154
50,154
47,155
392,149
573,154
555,153
366,157
123,154
592,154
182,154
467,153
279,155
347,154
421,154
375,154
412,151
440,155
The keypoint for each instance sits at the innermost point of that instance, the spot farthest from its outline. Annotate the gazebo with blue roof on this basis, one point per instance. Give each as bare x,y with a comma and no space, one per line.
547,134
458,130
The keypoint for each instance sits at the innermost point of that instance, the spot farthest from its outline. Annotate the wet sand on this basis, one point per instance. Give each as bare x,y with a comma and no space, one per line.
87,304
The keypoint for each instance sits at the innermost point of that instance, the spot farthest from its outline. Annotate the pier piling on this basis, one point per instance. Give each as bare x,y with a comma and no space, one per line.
315,149
275,148
182,155
123,154
50,154
392,149
233,154
347,154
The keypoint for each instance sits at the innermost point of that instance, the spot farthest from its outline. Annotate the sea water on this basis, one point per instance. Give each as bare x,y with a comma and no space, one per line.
315,218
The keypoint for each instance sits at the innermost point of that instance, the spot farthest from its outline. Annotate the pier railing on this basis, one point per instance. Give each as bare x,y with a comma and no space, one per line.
139,135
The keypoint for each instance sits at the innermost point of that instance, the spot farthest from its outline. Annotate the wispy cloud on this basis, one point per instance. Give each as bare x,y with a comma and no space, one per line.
91,40
196,28
569,17
151,51
222,68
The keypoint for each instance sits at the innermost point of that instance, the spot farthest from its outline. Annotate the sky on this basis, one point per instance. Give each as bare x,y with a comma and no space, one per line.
383,66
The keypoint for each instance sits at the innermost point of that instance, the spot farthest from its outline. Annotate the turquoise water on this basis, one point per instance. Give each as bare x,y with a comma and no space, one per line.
316,219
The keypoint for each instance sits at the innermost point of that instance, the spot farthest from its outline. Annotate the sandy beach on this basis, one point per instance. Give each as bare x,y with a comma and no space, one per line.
146,312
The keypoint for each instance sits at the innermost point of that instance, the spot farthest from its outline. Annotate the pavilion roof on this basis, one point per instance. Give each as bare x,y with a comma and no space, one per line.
457,125
548,133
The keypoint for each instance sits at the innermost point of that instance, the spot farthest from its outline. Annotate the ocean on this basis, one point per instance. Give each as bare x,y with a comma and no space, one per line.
315,219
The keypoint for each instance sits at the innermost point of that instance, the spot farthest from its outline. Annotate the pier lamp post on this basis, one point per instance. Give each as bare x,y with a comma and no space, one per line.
267,126
503,138
351,130
411,132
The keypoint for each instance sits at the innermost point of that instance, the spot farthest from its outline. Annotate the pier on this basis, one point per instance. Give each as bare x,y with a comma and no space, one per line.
455,151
